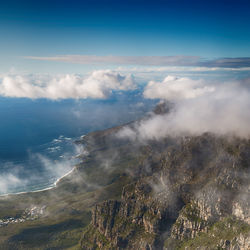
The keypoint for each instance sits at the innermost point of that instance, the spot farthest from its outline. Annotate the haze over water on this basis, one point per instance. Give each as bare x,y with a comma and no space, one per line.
37,136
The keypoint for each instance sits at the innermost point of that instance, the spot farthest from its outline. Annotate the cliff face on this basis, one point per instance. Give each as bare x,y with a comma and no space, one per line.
135,222
187,193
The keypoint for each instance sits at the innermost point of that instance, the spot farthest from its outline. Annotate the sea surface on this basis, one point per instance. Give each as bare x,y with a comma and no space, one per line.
37,136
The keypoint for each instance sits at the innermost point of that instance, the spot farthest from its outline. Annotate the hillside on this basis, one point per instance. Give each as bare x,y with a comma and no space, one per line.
188,192
193,194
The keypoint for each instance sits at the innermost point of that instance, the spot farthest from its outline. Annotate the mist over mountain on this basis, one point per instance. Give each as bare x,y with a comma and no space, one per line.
124,124
129,191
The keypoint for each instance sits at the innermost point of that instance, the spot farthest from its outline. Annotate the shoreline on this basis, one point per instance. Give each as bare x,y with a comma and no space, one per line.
54,184
44,189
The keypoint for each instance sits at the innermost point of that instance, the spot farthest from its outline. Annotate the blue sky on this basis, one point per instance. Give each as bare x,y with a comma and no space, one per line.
208,29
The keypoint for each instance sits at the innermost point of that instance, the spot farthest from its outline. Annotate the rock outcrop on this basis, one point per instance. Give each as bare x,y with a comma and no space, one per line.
190,193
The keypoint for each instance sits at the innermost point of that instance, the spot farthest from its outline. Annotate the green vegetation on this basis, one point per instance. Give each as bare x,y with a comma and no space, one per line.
191,212
226,229
91,233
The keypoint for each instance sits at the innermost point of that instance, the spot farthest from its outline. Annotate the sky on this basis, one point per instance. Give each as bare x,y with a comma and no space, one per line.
36,35
71,67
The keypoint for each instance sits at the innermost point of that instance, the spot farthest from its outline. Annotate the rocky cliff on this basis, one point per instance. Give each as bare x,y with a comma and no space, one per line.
186,193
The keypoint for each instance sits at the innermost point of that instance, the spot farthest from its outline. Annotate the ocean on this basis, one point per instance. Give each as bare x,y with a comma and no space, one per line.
37,136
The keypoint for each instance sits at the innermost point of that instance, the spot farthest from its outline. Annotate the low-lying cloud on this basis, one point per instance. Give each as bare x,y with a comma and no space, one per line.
199,106
173,88
99,85
47,170
10,181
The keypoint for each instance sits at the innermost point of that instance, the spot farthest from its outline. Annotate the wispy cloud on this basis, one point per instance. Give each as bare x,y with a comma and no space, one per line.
136,60
236,62
10,181
180,69
17,178
199,106
99,85
178,60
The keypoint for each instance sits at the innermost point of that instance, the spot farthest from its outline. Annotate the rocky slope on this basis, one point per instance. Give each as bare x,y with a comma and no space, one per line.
189,193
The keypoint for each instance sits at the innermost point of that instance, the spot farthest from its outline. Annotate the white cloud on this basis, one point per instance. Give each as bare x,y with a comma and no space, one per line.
172,88
99,84
199,107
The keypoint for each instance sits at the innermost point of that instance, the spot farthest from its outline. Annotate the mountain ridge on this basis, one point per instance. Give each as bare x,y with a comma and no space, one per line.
186,192
167,201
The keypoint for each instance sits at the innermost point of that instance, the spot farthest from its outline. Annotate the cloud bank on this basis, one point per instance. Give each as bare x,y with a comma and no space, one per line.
199,106
99,85
178,60
173,88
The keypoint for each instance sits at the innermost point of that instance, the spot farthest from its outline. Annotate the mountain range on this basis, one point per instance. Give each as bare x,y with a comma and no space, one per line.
176,192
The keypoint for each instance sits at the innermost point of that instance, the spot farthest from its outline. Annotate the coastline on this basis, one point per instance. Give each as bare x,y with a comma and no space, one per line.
44,189
54,184
59,179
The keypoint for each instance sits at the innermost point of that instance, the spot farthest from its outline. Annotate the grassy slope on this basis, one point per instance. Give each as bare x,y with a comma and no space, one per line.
68,205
